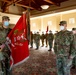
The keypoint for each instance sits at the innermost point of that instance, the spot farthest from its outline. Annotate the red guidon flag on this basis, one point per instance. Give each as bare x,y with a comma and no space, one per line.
18,42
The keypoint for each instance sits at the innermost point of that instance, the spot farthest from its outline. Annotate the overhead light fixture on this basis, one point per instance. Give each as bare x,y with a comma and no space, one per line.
14,4
44,6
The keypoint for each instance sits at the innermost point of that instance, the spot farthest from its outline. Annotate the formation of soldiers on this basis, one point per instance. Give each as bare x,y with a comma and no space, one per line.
45,38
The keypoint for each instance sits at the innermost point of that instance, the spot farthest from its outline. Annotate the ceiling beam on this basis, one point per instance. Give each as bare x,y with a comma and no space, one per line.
11,2
24,6
3,7
5,1
36,5
15,2
51,2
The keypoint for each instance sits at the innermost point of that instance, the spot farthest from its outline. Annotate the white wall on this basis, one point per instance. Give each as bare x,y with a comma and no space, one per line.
13,18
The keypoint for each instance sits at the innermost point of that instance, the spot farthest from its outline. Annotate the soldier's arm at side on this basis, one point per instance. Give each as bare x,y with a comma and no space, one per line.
72,47
55,46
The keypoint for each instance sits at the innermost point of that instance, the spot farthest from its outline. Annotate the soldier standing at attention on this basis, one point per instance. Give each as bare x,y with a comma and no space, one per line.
55,34
34,36
64,49
46,37
4,50
31,39
37,40
74,59
50,38
42,38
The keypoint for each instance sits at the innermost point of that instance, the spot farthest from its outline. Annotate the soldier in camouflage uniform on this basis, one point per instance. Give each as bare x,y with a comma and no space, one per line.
46,37
31,40
42,38
74,59
37,40
34,36
4,50
55,34
50,38
64,49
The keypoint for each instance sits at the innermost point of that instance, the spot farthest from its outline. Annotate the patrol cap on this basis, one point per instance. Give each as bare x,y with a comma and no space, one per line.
73,28
37,32
56,31
50,31
5,18
62,22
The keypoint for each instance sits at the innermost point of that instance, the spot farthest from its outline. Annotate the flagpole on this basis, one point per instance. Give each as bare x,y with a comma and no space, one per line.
24,23
28,24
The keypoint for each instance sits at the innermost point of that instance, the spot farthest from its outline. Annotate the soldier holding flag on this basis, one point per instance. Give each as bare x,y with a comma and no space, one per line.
4,50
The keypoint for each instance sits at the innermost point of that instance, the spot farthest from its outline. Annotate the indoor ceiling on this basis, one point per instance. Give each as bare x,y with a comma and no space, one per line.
32,4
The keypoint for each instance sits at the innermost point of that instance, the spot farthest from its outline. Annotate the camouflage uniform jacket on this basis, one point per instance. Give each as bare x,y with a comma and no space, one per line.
64,43
32,36
75,40
50,37
5,51
46,36
3,34
42,37
37,38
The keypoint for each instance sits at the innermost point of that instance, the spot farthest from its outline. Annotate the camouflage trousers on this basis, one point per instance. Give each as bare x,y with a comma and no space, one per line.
63,65
42,42
46,42
4,70
37,44
50,44
5,67
74,61
31,43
